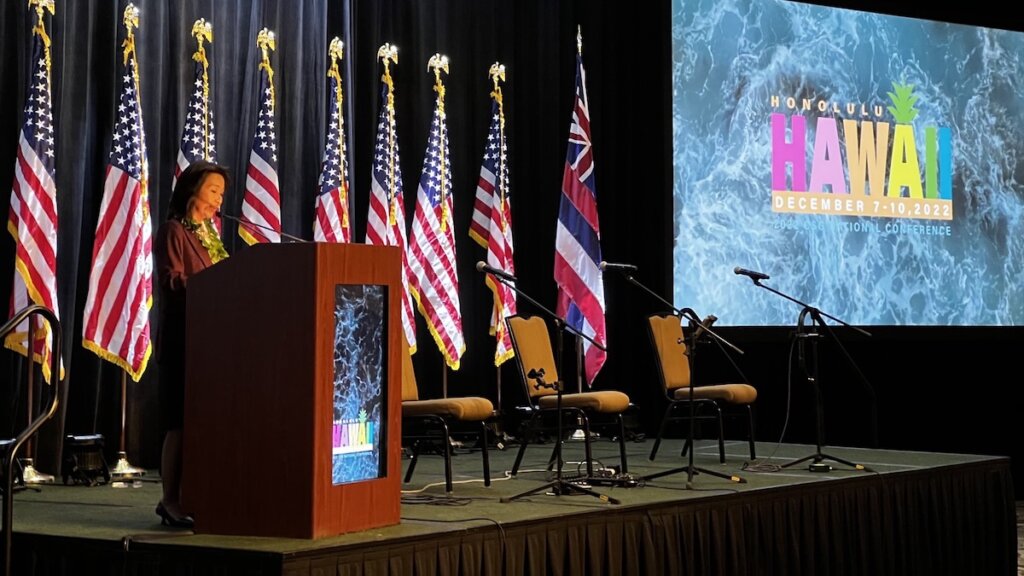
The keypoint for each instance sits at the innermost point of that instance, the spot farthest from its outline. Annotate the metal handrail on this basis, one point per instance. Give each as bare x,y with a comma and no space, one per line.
34,425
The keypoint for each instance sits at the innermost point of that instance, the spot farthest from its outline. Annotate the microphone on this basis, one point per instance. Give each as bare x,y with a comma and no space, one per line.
755,276
626,268
707,323
252,225
482,266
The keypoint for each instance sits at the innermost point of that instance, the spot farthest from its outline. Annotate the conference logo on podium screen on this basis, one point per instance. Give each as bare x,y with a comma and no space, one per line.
354,435
359,383
867,158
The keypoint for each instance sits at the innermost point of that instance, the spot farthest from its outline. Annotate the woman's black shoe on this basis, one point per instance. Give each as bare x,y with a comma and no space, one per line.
167,519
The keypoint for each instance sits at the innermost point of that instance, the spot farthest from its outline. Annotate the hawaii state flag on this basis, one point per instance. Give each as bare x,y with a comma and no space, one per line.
578,237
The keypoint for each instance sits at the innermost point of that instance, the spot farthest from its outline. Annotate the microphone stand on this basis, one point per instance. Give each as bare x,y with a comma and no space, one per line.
691,358
808,361
252,225
557,487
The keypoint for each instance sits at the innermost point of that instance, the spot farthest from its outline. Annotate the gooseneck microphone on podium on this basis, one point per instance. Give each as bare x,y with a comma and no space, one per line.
626,268
755,276
243,221
482,266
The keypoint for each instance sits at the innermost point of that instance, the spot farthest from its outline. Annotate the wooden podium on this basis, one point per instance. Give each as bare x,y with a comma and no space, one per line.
260,392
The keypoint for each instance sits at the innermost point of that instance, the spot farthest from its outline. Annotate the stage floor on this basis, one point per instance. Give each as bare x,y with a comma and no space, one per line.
107,524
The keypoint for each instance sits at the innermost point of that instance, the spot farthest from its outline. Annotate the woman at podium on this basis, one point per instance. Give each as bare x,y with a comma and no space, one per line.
187,243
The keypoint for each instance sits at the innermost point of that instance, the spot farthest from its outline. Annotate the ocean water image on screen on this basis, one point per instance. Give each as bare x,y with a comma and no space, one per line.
872,165
359,383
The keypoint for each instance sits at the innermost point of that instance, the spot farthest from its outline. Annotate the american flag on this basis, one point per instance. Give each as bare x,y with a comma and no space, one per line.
435,280
198,137
578,237
491,226
116,313
32,219
261,204
332,222
385,223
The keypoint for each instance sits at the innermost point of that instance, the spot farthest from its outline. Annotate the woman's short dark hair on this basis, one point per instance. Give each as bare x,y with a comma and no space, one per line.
188,184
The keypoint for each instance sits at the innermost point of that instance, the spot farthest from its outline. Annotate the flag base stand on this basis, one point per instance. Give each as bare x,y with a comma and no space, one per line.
124,470
30,475
578,434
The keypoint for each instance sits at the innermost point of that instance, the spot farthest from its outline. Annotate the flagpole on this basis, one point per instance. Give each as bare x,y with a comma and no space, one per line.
203,32
579,433
124,412
579,341
437,63
337,52
388,54
124,469
29,474
497,75
29,384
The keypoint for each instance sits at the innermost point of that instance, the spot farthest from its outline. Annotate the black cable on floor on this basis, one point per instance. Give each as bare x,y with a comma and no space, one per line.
434,500
501,530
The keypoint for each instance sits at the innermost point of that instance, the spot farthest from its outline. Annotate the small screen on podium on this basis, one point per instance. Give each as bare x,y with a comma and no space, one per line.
359,377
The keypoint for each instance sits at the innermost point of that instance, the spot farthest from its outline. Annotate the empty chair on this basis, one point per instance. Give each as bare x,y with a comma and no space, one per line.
532,345
674,369
432,420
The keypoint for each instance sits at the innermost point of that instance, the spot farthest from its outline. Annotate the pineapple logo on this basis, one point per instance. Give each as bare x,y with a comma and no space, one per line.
903,100
905,169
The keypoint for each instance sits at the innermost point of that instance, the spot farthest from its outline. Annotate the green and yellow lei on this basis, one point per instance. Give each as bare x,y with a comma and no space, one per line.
208,236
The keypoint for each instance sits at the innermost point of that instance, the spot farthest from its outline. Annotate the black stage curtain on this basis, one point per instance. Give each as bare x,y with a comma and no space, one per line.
86,53
626,54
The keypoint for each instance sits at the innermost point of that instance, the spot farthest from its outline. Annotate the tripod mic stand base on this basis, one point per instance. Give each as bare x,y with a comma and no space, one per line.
818,463
691,472
561,488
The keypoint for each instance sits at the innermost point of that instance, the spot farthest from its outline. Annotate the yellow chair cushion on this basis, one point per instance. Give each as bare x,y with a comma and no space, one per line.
468,409
731,393
604,402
